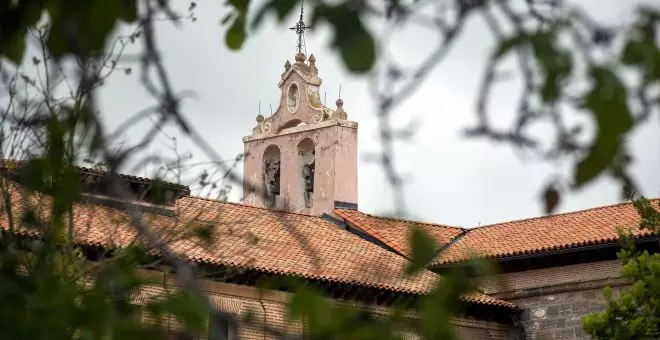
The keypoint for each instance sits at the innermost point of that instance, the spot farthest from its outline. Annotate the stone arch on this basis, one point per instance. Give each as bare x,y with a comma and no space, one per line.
290,124
307,165
271,175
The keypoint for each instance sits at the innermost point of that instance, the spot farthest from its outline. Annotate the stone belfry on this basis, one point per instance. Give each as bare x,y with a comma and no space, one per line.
303,158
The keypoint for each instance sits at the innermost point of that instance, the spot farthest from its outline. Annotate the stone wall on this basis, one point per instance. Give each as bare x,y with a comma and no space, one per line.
555,299
558,316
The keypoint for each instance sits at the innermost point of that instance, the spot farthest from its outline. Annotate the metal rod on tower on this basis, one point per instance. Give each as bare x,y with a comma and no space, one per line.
271,109
325,96
300,28
260,107
339,91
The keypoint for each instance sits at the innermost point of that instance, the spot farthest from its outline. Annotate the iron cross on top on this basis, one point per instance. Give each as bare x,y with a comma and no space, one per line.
300,28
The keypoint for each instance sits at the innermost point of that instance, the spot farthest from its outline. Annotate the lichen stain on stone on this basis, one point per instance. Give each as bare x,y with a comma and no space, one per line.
313,98
539,312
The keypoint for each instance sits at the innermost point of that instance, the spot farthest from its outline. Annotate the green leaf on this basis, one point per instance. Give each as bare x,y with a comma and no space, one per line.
158,193
550,199
281,7
303,302
351,38
128,11
14,48
607,101
204,232
235,36
641,49
82,27
423,250
557,67
554,63
313,309
439,306
187,309
24,15
632,312
239,5
505,45
633,53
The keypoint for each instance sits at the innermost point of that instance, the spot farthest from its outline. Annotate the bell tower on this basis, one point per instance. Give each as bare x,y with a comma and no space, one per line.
303,158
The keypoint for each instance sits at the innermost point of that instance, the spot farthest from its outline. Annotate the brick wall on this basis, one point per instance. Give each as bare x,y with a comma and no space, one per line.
499,285
270,306
265,306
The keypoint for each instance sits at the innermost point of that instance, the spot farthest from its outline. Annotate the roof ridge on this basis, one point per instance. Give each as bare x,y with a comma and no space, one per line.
251,206
407,220
14,162
556,215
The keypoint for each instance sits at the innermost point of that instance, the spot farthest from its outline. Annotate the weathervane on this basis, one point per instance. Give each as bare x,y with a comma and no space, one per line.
300,28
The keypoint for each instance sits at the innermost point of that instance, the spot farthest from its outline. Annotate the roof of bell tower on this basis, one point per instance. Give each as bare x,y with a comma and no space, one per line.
300,100
307,71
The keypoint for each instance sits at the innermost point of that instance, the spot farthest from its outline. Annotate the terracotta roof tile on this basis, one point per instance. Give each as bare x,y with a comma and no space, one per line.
395,232
247,237
541,234
483,299
11,164
301,245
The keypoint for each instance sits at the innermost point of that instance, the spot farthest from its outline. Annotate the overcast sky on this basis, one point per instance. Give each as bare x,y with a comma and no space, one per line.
452,180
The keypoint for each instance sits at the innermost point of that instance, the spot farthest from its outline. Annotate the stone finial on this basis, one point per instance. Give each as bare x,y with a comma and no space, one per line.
312,64
287,66
260,118
300,57
307,71
340,113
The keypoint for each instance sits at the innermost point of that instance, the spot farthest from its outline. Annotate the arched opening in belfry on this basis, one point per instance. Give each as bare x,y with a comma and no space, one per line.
291,123
307,165
271,174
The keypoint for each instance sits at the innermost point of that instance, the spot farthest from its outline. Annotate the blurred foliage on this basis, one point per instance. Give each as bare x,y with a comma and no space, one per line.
41,278
635,312
75,26
428,316
570,65
559,53
49,289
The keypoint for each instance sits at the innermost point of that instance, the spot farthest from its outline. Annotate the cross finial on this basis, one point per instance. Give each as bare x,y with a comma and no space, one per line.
300,28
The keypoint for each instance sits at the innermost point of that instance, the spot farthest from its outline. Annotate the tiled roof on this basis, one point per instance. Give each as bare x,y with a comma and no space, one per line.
483,299
542,234
253,238
300,245
15,164
246,237
395,232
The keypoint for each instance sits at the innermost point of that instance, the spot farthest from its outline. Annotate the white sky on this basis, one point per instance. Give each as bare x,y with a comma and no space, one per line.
452,180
